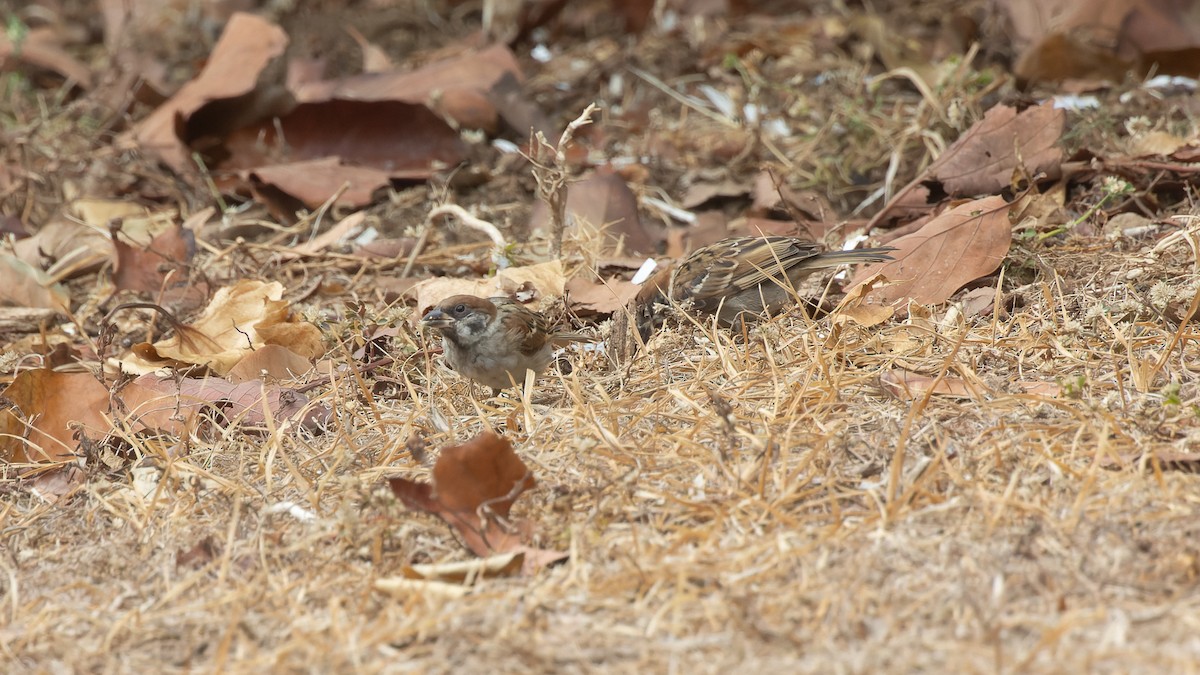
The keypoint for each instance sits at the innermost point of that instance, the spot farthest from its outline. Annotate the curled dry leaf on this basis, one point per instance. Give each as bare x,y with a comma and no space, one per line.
247,45
854,307
239,319
963,244
474,487
311,151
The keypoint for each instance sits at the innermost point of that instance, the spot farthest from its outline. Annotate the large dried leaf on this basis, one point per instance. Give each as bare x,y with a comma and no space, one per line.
270,362
313,182
50,408
1103,39
238,320
310,152
473,484
170,403
458,87
963,244
474,487
985,159
248,44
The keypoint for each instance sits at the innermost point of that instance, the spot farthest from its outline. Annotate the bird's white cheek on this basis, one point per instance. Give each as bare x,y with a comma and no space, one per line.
472,329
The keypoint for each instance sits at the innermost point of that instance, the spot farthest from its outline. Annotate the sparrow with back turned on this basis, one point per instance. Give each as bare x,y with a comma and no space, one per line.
738,279
493,341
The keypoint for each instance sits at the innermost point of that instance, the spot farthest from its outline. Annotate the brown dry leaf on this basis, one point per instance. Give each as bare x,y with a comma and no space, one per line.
40,48
979,302
767,198
983,159
52,405
474,487
73,247
908,385
1103,39
271,362
147,404
311,183
1041,211
171,404
602,201
456,87
22,285
854,307
589,298
963,244
389,247
248,44
1157,143
519,110
146,269
238,320
699,194
345,228
54,484
708,228
311,151
543,280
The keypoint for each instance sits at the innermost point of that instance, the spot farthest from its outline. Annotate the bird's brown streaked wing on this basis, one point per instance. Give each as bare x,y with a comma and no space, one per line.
527,328
753,261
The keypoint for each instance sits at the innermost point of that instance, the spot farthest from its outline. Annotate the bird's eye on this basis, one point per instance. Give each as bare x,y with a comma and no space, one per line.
460,308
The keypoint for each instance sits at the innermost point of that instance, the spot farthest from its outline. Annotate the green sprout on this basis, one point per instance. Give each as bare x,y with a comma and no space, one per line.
1170,393
1112,186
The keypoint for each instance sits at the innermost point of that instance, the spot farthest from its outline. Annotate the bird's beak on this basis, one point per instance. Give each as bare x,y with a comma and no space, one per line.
436,318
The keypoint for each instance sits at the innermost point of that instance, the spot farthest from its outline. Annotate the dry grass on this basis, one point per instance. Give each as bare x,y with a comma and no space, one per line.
699,541
759,504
